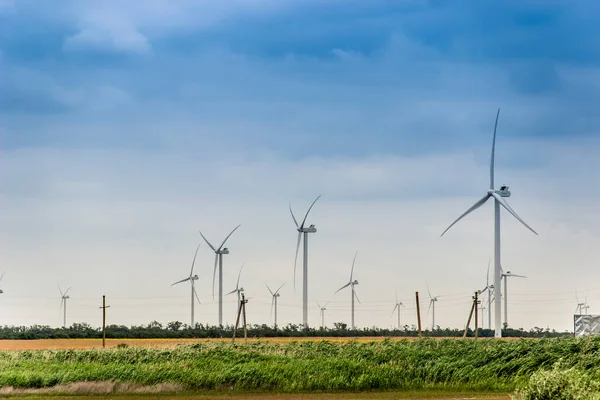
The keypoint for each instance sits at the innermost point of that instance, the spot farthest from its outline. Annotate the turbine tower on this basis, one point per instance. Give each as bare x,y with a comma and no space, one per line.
432,301
63,303
192,278
499,201
219,251
239,290
302,230
322,308
351,283
490,290
397,308
275,296
505,276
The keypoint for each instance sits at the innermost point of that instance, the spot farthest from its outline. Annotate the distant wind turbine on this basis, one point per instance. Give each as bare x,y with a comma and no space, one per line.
192,278
63,303
219,251
322,308
581,306
302,230
432,301
397,308
489,289
505,276
239,290
499,201
274,296
1,276
351,283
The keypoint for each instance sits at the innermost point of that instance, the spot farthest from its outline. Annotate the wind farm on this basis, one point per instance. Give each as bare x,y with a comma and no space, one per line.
198,179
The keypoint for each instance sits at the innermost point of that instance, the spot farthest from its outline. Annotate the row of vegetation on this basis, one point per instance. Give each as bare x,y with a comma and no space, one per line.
178,329
447,364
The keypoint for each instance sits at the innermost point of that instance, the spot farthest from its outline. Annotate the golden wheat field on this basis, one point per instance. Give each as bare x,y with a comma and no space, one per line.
44,344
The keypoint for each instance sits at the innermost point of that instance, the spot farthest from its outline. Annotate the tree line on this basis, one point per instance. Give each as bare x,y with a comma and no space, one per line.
177,329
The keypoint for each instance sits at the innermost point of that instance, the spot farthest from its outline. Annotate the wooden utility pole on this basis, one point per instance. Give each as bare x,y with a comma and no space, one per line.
104,307
476,303
241,310
418,313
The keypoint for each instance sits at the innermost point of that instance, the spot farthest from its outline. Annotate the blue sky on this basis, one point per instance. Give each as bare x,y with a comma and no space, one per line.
114,114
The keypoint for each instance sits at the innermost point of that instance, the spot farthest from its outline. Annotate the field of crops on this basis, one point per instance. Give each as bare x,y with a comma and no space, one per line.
302,366
46,344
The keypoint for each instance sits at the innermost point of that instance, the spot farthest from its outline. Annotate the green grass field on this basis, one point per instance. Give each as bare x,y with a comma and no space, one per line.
451,366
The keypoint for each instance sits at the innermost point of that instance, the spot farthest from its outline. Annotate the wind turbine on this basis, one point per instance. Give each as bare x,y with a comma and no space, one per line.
219,251
192,278
581,306
275,295
432,301
323,309
1,276
397,307
499,201
63,303
239,290
302,230
490,289
506,276
351,283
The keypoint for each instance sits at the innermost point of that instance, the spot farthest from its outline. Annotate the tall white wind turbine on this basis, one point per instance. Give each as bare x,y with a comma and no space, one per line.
239,290
63,303
579,310
505,276
397,308
499,201
302,230
432,301
351,283
219,251
322,308
192,278
274,296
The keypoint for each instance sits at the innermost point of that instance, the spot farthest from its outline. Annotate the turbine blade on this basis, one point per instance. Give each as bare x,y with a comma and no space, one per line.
309,208
508,208
194,260
473,208
196,294
294,217
395,307
228,236
270,291
352,270
296,258
428,291
272,304
2,276
318,305
277,291
487,280
237,285
343,287
207,242
357,299
215,274
325,305
396,294
493,153
59,289
232,292
183,280
518,276
67,291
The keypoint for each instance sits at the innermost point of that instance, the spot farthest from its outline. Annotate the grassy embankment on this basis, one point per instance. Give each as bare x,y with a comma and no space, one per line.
449,365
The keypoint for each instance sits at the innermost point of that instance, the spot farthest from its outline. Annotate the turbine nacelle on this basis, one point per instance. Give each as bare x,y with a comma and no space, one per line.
223,251
310,229
194,278
355,282
503,192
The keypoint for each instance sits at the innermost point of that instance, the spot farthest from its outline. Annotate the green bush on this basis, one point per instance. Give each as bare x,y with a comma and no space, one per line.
559,384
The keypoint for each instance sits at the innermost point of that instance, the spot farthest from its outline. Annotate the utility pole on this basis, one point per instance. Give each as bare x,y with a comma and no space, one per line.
418,313
241,310
469,320
104,307
476,303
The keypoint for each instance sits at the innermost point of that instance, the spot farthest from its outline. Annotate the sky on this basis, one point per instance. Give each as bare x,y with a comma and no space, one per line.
125,128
